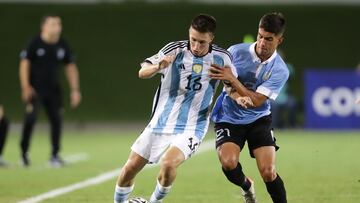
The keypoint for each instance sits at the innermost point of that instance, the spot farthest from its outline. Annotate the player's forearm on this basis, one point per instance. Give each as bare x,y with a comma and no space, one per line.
1,112
148,70
24,73
256,98
72,75
231,92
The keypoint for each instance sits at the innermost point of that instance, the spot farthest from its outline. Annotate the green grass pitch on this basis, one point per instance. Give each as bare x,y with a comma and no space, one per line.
317,167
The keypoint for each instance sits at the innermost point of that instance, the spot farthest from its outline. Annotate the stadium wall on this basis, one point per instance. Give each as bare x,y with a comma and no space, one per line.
110,40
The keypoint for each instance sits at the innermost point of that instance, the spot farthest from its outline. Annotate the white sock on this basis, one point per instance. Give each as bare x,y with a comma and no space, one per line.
122,194
159,193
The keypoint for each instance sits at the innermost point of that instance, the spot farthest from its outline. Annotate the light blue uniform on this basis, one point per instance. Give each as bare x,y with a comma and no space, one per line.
266,78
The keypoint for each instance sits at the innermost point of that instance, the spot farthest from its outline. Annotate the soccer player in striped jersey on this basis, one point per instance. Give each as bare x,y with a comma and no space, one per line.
180,115
261,75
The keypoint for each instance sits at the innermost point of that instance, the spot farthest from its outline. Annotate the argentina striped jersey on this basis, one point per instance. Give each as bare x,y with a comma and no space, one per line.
182,101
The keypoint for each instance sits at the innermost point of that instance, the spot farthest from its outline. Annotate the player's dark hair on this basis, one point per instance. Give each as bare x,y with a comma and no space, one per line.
273,22
45,17
204,23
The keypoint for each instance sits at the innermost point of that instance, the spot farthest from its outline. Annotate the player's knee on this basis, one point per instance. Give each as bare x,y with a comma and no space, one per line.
229,162
268,173
168,165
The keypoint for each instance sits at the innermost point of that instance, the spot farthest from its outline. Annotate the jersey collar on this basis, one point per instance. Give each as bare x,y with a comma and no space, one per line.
255,58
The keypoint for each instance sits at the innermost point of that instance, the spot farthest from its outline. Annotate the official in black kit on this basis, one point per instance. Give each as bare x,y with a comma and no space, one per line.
40,64
4,126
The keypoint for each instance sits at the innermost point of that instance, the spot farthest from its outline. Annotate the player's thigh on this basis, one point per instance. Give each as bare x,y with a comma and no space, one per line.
260,134
173,157
135,162
151,146
187,143
265,157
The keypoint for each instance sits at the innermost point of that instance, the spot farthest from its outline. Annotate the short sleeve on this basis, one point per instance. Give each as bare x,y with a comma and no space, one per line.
272,87
231,50
29,51
228,62
69,55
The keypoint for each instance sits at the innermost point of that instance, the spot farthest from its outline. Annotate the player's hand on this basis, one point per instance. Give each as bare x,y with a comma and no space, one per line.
244,102
1,112
358,101
221,73
27,94
75,98
165,62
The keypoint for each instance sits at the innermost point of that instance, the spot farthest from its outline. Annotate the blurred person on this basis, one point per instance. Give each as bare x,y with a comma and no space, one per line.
39,78
261,75
180,116
283,110
248,38
4,125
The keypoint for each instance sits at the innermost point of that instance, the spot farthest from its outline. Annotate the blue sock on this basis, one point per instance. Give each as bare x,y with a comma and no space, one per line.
122,194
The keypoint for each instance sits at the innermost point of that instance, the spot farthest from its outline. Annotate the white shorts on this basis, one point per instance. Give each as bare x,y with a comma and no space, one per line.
151,146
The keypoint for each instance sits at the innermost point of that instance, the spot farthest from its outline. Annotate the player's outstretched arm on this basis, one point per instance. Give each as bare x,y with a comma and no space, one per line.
148,70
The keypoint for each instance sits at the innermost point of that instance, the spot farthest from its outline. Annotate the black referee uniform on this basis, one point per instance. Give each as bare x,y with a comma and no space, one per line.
4,124
45,62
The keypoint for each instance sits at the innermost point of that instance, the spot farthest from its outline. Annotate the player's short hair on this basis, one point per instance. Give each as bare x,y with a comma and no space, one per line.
204,23
45,17
273,22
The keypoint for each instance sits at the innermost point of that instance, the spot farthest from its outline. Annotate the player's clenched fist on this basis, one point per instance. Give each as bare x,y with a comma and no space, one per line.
166,61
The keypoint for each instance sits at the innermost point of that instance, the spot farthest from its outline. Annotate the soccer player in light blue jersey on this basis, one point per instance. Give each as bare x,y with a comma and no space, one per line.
180,116
242,112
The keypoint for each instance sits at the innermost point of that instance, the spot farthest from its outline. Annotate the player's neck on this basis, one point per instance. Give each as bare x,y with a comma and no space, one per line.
49,39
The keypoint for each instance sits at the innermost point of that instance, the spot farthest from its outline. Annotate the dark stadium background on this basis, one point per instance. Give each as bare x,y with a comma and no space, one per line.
110,40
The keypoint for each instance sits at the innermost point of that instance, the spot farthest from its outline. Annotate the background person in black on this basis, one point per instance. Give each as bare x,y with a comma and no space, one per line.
3,133
39,67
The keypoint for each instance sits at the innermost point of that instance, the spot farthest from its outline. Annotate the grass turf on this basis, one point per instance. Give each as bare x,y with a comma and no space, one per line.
316,167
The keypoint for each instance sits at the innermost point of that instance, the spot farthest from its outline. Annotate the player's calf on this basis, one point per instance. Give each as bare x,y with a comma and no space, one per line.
237,177
276,189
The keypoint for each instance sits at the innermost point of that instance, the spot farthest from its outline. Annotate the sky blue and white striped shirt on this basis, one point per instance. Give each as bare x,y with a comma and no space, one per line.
182,101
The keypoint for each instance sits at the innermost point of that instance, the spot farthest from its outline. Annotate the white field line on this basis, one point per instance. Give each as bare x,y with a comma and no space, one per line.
74,158
68,159
97,180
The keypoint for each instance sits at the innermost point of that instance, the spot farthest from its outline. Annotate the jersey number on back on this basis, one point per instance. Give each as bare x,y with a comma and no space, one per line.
193,83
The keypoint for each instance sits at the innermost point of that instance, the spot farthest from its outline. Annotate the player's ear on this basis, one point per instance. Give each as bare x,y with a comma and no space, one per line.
281,39
212,36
